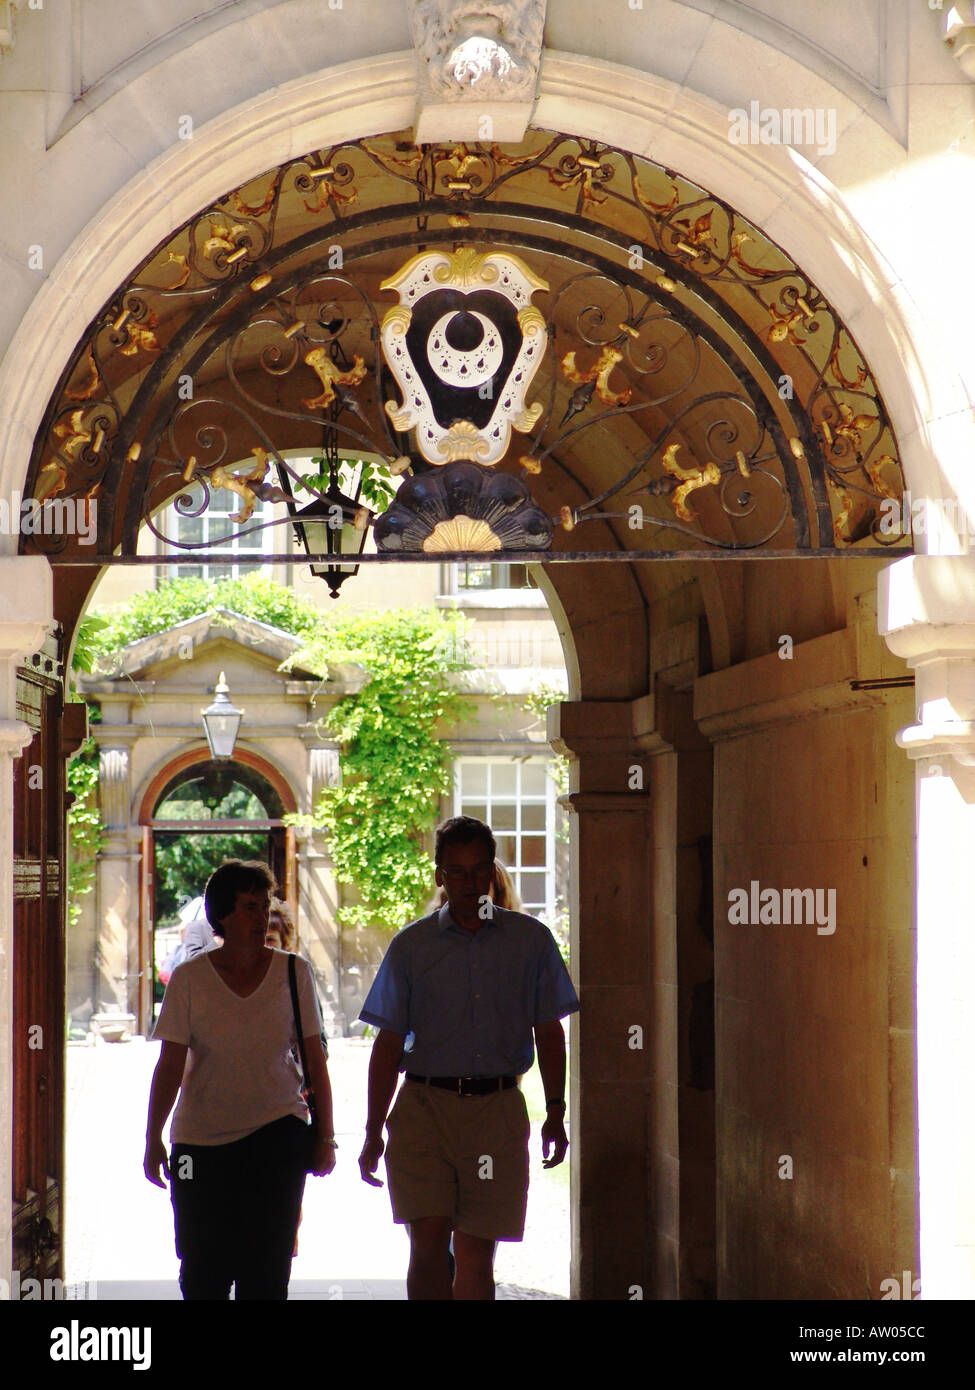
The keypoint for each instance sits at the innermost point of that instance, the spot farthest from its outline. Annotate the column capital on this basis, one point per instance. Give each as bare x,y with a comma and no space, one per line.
605,739
14,737
926,615
29,577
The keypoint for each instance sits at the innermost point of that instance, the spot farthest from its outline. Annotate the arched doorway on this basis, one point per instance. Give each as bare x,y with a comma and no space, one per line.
619,608
204,811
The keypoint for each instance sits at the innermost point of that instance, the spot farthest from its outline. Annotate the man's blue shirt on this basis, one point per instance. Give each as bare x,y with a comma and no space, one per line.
470,999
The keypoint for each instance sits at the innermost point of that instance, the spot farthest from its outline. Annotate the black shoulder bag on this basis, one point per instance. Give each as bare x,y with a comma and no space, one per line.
306,1091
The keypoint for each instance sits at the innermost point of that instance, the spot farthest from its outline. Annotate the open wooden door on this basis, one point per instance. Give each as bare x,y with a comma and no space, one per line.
38,971
147,963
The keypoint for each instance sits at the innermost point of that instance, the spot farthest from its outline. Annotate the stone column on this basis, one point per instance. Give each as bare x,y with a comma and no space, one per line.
30,579
117,889
927,616
610,1058
681,928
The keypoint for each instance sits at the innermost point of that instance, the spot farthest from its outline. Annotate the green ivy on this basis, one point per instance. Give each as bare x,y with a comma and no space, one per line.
395,766
86,829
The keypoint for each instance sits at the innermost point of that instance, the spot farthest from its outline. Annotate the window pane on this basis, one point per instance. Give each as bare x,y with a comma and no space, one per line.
191,530
533,779
506,850
533,850
477,809
533,888
533,815
473,779
503,815
504,779
474,575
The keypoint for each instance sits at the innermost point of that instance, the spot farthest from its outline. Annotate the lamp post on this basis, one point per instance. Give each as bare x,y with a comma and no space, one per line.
221,722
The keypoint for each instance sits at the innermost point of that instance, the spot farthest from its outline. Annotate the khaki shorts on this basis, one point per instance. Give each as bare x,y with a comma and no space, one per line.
464,1158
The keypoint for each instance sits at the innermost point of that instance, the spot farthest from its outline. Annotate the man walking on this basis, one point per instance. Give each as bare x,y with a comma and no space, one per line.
457,999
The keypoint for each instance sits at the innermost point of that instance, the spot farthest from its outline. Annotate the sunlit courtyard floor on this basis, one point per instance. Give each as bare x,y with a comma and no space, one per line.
119,1230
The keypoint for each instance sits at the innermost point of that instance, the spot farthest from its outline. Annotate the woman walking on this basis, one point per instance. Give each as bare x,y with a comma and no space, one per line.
241,1140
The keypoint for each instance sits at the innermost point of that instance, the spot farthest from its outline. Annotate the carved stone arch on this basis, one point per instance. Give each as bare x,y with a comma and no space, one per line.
159,777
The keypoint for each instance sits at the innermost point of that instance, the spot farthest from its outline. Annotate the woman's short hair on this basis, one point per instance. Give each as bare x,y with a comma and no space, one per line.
462,830
234,876
281,921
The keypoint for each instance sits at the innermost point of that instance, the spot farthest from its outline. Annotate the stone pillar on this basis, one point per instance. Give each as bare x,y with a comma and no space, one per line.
927,616
117,890
610,1059
682,1112
30,579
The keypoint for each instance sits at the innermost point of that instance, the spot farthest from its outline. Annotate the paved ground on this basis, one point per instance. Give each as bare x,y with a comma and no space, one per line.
119,1230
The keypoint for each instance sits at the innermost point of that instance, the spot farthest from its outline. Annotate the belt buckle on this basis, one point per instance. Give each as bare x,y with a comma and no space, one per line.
460,1084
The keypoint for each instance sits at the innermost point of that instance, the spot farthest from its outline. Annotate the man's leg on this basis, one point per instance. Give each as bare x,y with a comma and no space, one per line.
474,1276
422,1188
428,1275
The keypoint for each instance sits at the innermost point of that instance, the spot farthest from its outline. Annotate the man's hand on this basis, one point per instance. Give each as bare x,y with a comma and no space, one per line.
372,1151
154,1158
554,1141
322,1158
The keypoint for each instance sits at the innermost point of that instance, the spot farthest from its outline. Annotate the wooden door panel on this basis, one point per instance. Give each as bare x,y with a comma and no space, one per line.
38,973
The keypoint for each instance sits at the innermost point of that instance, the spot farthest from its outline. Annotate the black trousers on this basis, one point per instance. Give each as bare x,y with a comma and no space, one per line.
236,1209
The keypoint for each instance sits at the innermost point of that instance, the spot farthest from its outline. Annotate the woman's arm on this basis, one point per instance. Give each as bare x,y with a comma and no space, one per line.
323,1159
166,1081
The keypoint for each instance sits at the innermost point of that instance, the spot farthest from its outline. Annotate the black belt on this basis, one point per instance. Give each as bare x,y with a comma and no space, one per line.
467,1085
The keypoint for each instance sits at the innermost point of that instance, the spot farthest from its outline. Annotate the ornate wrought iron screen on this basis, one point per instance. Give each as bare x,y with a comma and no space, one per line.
698,395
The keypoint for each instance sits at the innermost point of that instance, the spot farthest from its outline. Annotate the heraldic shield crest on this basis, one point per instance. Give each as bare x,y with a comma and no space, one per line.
463,344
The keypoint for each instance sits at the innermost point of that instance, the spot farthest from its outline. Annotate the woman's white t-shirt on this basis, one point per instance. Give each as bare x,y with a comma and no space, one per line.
240,1073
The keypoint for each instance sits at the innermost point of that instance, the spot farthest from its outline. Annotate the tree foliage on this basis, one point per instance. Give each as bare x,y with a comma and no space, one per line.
157,610
395,766
86,829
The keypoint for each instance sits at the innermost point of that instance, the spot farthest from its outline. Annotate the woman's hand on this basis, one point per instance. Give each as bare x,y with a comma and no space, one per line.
154,1159
323,1157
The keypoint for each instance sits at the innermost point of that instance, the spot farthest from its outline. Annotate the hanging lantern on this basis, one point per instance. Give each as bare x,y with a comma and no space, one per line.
333,525
221,722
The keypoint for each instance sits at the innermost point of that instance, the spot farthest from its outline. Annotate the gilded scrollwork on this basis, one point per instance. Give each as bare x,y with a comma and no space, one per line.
257,325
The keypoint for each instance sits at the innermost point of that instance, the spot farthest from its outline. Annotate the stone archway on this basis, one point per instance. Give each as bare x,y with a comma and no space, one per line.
893,375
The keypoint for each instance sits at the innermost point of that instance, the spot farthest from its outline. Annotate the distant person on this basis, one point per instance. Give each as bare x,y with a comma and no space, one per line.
240,1135
282,934
198,935
176,957
473,982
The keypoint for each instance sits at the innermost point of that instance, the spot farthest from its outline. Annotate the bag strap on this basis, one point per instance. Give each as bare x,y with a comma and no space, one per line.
296,1011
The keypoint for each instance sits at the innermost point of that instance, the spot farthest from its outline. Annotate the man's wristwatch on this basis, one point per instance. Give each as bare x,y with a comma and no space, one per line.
551,1104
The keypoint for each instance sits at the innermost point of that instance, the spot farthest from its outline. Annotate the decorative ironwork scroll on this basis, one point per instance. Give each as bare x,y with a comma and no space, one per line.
691,387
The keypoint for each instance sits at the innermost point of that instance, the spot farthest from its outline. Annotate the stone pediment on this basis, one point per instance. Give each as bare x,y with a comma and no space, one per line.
191,638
